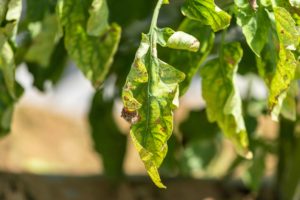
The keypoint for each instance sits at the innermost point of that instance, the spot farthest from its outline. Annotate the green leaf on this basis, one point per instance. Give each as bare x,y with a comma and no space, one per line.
224,104
285,72
93,55
255,25
109,142
44,43
189,62
177,40
207,13
98,10
286,29
150,94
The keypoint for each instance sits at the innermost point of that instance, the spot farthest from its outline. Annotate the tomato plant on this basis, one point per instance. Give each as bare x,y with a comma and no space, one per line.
214,40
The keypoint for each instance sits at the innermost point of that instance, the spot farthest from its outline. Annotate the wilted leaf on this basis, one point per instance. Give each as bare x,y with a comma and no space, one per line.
149,96
207,13
224,104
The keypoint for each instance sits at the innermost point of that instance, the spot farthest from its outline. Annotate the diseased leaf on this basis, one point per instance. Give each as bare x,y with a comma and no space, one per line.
177,40
286,29
150,94
93,55
189,62
224,104
285,72
207,13
98,10
255,25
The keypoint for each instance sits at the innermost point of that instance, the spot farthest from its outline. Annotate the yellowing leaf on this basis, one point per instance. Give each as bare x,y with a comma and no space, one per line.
150,94
286,29
207,13
285,72
224,104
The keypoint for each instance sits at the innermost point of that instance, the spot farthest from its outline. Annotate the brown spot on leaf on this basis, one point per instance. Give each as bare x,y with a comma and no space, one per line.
131,117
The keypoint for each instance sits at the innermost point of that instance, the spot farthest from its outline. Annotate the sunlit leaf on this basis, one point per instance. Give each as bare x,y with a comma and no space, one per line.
224,104
207,13
149,96
177,40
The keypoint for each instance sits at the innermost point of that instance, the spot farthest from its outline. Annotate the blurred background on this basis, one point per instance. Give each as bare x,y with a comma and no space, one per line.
68,141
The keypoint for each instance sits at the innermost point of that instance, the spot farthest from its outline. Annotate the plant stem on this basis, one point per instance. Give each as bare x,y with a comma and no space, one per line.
153,37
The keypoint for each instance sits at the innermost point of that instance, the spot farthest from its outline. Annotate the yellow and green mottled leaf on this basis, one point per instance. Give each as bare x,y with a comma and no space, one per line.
287,32
224,104
150,94
207,13
92,54
285,72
